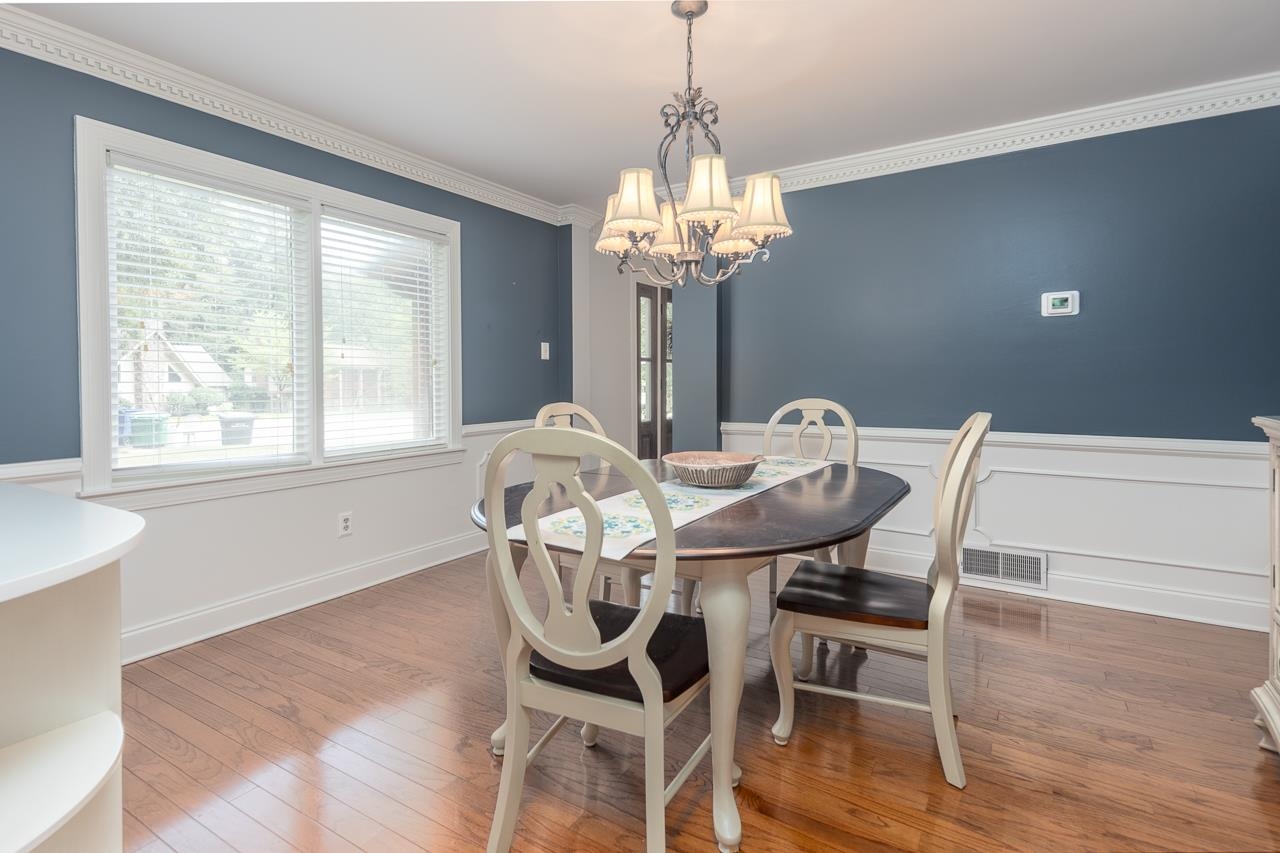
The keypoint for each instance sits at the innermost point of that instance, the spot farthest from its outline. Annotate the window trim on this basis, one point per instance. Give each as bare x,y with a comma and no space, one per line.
94,142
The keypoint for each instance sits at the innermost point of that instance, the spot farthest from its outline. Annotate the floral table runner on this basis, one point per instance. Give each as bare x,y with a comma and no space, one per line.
628,525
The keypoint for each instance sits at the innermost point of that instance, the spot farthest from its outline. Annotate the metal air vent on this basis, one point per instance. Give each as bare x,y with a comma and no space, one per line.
1005,565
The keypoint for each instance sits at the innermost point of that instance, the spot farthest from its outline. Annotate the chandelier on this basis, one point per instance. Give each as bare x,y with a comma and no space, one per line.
710,234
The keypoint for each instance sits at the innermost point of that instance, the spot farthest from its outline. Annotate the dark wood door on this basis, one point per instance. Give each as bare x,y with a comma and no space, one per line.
654,373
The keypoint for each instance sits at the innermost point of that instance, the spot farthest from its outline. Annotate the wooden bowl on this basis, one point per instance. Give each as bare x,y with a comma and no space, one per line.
713,469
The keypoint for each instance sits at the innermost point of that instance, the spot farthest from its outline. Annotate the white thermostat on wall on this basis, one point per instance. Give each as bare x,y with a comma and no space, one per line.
1062,303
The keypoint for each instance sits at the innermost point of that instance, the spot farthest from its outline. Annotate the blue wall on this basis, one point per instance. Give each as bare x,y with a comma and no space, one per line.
694,324
914,298
510,286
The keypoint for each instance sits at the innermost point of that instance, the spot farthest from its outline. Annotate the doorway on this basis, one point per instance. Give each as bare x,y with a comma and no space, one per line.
653,377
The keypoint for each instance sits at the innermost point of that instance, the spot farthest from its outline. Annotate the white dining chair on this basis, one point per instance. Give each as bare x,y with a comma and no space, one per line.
904,616
562,415
813,412
624,668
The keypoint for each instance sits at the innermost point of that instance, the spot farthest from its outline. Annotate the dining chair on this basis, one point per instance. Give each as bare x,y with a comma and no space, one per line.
904,616
631,669
562,415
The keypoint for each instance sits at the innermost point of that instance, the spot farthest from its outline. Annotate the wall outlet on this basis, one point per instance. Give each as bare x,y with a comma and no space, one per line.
546,351
344,524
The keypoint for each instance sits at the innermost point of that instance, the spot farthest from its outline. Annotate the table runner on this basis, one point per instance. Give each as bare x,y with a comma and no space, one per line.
628,525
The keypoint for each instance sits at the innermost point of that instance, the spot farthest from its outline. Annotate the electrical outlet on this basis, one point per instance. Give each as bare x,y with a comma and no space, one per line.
546,351
344,524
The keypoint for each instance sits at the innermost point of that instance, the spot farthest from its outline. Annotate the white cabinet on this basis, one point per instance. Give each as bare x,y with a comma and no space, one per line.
60,730
1267,696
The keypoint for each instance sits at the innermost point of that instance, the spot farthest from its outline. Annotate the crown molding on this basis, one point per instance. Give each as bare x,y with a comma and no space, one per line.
32,35
576,214
1213,99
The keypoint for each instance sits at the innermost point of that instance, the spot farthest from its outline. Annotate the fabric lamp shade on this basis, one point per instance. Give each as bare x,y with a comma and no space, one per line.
762,214
611,242
667,242
707,198
636,208
725,243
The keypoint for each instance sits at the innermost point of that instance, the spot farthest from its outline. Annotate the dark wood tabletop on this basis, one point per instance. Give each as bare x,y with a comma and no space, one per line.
817,510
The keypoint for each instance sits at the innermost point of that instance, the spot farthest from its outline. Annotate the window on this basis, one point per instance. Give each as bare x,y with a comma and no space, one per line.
235,320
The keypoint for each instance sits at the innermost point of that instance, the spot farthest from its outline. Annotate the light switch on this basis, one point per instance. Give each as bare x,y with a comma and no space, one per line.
546,351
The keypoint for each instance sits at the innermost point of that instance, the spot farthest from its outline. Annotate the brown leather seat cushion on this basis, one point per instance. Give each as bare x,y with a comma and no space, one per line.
856,595
678,649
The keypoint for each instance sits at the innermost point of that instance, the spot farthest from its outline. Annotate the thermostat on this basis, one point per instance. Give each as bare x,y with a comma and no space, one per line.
1064,302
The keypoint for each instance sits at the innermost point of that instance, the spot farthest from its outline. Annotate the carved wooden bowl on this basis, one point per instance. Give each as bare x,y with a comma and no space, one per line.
713,469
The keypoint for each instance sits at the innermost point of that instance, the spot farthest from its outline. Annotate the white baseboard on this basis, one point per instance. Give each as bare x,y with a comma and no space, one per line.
1169,527
144,641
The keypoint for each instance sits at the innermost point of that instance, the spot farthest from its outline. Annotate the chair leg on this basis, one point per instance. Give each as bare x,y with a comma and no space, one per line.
630,587
780,634
655,806
590,734
509,789
944,725
687,588
806,657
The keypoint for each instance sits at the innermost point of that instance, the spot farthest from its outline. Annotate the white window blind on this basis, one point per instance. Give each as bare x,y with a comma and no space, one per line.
386,316
208,323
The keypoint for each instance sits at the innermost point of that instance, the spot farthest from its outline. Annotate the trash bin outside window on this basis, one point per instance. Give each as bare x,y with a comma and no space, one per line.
124,417
237,427
148,429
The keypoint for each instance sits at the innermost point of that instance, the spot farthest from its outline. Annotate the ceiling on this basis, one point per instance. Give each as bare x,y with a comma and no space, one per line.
552,98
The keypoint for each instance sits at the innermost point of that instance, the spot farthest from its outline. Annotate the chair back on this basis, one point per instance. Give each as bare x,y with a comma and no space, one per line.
813,411
956,483
568,635
562,414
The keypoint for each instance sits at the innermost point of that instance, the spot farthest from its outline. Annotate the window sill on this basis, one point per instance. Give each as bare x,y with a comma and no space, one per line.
154,494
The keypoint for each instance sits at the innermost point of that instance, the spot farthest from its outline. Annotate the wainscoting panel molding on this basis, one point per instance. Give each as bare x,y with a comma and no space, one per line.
1164,526
214,562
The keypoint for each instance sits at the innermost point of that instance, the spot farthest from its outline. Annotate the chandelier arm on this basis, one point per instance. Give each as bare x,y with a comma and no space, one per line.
734,266
709,114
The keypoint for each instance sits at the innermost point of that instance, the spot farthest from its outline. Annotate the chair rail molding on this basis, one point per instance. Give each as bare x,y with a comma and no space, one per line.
1172,527
39,37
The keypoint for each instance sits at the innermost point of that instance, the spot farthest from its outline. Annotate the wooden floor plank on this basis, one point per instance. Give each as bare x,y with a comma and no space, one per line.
363,723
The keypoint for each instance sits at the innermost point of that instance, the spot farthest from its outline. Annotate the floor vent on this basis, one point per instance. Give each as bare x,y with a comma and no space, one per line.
1004,565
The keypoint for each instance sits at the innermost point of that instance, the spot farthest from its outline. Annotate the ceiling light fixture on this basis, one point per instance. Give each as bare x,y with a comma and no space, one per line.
709,235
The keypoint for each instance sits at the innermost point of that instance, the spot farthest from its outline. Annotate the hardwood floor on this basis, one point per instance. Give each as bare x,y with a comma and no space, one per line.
363,724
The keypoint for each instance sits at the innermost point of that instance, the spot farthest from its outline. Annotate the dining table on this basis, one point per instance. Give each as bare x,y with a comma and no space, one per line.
826,508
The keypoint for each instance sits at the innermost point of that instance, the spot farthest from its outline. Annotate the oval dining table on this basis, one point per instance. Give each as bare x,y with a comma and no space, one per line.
823,509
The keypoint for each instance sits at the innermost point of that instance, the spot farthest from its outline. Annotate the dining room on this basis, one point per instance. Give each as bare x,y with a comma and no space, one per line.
612,425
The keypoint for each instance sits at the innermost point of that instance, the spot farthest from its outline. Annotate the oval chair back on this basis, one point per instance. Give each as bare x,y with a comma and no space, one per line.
568,635
562,415
952,504
813,411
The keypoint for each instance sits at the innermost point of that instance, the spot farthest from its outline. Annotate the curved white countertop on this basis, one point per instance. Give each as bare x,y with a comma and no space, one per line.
46,539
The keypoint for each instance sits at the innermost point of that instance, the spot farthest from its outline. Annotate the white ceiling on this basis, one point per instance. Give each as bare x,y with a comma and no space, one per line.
552,98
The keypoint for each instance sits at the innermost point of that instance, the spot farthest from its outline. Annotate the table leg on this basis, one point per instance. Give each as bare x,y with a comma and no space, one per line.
726,607
498,740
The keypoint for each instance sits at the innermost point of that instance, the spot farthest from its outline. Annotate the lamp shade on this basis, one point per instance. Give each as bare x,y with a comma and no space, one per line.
667,242
611,242
707,198
762,214
636,208
725,243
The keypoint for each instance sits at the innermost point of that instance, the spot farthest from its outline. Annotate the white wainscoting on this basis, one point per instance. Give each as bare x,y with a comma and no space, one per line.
210,565
1164,526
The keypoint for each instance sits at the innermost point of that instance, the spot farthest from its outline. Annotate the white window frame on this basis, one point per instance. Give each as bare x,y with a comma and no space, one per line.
95,140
